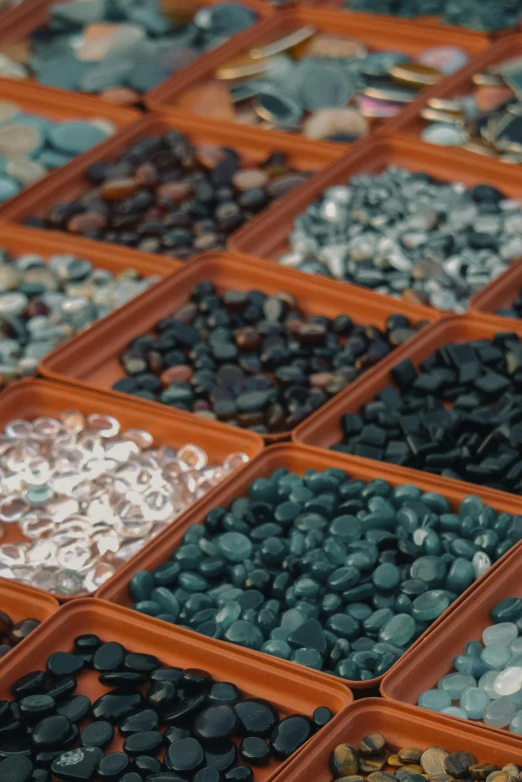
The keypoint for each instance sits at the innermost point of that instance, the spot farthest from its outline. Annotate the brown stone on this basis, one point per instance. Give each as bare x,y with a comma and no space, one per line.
115,189
146,175
87,221
174,191
248,178
343,761
457,764
370,764
180,373
374,743
211,99
410,754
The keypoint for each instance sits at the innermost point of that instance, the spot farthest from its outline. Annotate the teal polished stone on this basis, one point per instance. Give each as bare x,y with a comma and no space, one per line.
508,610
455,711
192,582
460,575
141,585
277,649
386,576
8,188
399,630
435,700
149,607
430,605
245,634
166,573
429,569
455,684
228,614
474,701
347,528
473,649
234,546
495,655
169,604
309,657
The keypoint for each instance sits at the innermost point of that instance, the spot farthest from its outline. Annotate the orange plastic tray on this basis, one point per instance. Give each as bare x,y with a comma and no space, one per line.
325,430
33,398
253,145
460,84
24,602
92,358
267,235
402,726
422,667
499,294
375,32
271,679
296,459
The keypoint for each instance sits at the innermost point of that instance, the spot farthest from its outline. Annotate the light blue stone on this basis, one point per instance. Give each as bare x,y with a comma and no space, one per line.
515,726
499,713
235,546
474,701
495,656
455,711
469,666
8,188
503,633
435,700
455,684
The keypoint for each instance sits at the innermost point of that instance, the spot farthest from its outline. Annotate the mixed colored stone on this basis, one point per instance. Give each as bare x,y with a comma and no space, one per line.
486,681
406,235
456,415
251,359
377,760
11,633
325,570
153,722
44,301
32,145
120,49
166,195
483,15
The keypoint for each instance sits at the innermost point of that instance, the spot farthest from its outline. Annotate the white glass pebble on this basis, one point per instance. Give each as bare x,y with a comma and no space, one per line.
499,714
508,681
503,633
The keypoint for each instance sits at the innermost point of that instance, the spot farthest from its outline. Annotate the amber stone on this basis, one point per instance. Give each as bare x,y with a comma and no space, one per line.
395,761
343,761
87,221
481,770
174,191
457,764
180,373
433,759
372,763
115,189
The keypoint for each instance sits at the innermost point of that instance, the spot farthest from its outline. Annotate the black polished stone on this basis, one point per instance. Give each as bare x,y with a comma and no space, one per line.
207,775
145,743
185,756
195,680
161,695
184,711
77,765
256,717
97,734
141,663
86,644
34,707
167,675
290,733
221,757
255,751
113,765
127,680
139,721
116,706
17,768
173,733
164,776
75,708
109,657
224,692
30,684
239,774
51,732
63,687
146,765
64,664
215,723
322,716
132,776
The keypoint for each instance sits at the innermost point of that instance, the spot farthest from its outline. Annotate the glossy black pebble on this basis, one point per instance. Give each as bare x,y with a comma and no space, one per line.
78,765
173,734
131,776
141,663
109,657
145,765
34,707
195,680
256,717
185,756
224,692
321,716
167,675
51,732
207,775
75,708
17,768
144,743
161,695
221,757
162,776
30,684
63,687
146,719
113,765
97,734
87,643
184,711
290,734
215,723
255,751
127,680
64,663
115,706
239,774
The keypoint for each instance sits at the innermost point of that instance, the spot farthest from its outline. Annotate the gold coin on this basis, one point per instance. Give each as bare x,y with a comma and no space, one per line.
488,80
283,44
241,68
412,73
436,115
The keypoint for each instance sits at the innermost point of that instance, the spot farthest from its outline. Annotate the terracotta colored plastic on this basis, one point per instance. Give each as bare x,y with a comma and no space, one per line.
291,689
377,33
116,259
24,602
431,659
500,294
325,430
297,459
267,235
92,358
459,84
16,16
253,145
33,398
402,726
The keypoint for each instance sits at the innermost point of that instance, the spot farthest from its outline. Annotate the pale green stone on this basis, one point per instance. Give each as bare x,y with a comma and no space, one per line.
503,633
499,713
474,701
455,711
435,700
495,655
455,684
